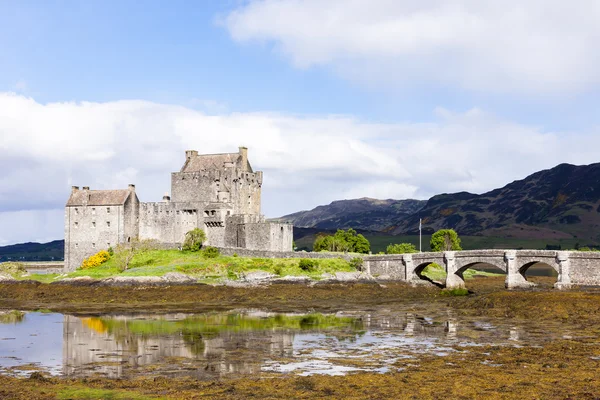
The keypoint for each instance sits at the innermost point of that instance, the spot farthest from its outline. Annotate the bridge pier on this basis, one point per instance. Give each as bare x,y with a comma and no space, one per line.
454,277
410,270
514,278
564,271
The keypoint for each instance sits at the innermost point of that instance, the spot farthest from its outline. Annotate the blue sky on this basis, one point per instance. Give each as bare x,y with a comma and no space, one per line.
335,99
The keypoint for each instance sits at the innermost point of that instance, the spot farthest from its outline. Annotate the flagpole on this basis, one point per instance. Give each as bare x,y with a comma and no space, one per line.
420,237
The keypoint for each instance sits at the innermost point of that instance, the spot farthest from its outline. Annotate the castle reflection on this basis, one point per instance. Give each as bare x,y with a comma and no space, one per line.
208,346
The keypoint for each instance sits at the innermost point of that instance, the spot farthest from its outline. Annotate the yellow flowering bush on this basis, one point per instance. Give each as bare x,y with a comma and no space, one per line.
96,260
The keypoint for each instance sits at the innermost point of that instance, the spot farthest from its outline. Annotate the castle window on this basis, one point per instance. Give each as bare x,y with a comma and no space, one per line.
108,224
93,211
76,245
108,244
76,210
76,224
108,210
93,245
93,224
213,212
207,213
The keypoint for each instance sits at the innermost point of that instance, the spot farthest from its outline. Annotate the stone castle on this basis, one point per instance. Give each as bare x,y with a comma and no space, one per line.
219,193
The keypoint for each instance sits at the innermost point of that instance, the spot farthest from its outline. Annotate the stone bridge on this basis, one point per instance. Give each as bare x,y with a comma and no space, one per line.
573,268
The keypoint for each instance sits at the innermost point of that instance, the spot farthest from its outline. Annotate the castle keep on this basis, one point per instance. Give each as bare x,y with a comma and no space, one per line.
219,193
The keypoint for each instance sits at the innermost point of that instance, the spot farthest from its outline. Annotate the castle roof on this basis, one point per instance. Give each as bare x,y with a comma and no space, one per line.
98,198
200,162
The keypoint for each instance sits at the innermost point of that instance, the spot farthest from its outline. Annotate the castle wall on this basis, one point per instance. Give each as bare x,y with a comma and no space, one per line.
168,222
89,229
268,236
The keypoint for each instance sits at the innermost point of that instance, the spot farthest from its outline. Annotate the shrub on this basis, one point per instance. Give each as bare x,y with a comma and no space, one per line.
194,239
125,252
356,263
96,260
401,248
12,268
211,252
445,240
307,264
235,254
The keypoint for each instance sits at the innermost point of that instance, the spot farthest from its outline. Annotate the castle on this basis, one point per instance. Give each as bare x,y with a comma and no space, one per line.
219,193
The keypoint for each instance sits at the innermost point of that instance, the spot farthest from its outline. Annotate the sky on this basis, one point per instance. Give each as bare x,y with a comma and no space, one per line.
335,99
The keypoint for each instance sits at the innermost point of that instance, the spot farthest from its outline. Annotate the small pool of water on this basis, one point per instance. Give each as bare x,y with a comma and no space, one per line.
244,342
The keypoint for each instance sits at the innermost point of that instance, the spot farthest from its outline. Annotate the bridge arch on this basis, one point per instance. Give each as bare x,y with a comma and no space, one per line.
420,269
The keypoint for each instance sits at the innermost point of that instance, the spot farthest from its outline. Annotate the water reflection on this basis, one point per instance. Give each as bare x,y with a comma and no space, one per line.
211,345
11,317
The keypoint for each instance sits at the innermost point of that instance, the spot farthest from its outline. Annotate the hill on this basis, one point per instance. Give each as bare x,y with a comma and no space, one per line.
562,203
365,214
51,251
559,203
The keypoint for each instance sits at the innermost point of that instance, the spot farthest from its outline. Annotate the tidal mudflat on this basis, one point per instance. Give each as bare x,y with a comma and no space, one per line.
293,341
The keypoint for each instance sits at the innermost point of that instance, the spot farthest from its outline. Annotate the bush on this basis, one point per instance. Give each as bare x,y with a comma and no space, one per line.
96,260
12,268
445,240
356,263
307,264
125,252
211,252
235,254
111,252
401,248
194,239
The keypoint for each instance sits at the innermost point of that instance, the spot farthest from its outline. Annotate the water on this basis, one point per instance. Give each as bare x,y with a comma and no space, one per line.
245,342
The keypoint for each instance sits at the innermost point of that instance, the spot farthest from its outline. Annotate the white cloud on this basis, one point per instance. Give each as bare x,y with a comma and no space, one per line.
46,148
498,45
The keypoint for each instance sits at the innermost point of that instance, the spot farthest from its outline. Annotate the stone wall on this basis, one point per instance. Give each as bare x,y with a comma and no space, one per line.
242,252
584,268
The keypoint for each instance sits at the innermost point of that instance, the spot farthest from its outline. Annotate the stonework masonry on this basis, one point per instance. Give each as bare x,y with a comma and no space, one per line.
219,193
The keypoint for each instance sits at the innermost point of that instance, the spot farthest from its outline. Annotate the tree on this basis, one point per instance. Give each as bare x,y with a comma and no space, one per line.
125,252
445,240
194,239
343,241
401,248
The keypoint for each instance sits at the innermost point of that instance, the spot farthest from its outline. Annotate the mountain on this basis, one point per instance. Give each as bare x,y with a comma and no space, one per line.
558,203
561,202
52,251
366,214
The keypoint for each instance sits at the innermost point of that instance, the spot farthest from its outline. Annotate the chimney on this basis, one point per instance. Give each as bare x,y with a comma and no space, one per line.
166,197
244,154
86,188
132,187
190,153
74,188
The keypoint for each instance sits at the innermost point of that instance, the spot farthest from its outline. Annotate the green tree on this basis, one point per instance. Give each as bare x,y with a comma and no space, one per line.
445,240
194,239
343,241
401,248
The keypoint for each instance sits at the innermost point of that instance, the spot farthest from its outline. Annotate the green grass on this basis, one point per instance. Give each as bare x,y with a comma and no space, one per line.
210,270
